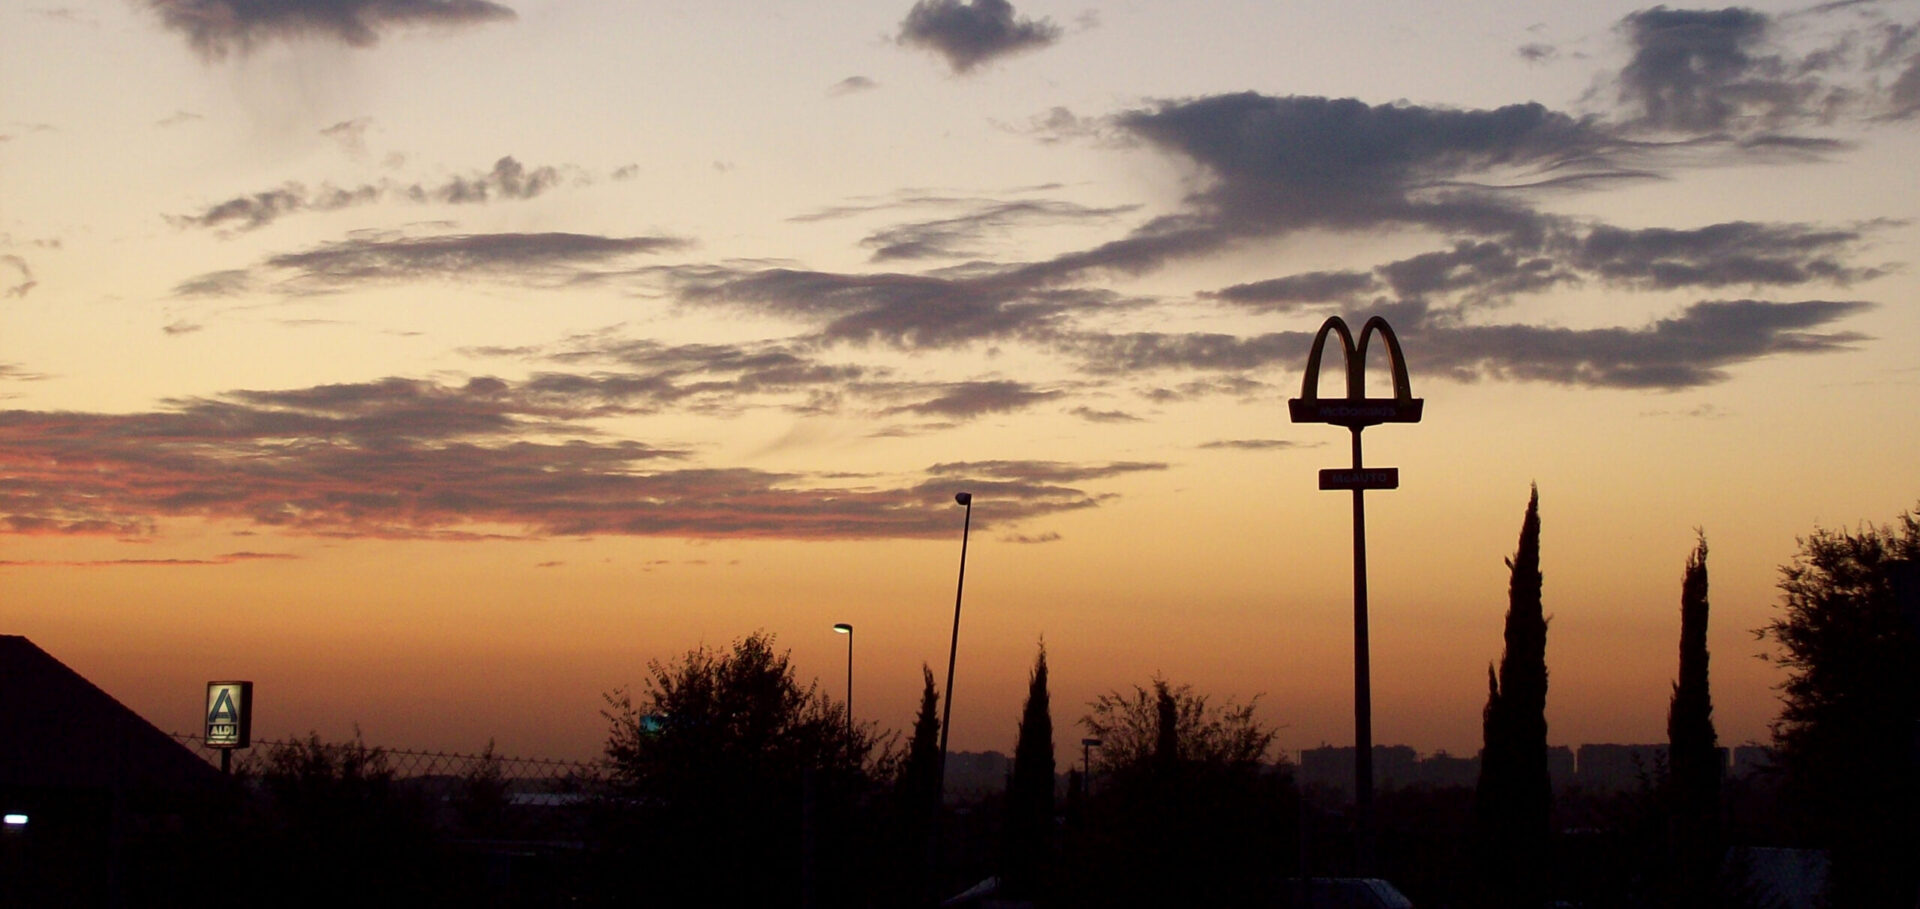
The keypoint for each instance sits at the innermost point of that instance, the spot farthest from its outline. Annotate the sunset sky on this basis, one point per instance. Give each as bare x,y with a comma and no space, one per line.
436,364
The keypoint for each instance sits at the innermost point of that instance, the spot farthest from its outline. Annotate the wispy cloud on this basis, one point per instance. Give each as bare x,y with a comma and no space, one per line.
410,459
507,180
526,258
16,278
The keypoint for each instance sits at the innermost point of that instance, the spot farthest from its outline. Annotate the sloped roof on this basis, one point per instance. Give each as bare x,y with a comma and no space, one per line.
58,730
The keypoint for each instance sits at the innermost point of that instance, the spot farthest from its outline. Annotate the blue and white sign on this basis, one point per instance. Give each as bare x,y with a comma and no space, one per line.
229,714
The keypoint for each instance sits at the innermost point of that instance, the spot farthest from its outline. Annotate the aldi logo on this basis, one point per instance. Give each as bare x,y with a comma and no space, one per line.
229,714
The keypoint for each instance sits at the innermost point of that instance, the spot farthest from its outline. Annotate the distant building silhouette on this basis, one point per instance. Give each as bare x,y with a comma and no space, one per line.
1613,768
1599,768
1751,759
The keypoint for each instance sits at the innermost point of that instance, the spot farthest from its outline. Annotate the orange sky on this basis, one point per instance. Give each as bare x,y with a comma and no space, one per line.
439,372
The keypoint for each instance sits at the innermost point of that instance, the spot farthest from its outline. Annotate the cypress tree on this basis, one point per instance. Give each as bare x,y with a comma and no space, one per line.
918,794
1515,795
1693,752
1030,792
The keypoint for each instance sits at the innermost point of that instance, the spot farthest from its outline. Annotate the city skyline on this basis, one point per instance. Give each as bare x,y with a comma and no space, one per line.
437,364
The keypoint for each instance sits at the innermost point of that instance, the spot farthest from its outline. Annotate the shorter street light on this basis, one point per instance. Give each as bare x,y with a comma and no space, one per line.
847,629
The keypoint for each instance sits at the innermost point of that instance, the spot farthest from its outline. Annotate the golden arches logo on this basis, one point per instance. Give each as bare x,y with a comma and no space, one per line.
1356,410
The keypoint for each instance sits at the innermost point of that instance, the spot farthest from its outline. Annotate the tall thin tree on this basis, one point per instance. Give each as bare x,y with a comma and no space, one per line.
918,793
1515,795
1693,752
1030,792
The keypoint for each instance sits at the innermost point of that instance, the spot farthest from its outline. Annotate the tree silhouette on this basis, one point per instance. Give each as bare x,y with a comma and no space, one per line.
1187,812
1693,754
727,776
917,795
1515,796
1030,791
1849,637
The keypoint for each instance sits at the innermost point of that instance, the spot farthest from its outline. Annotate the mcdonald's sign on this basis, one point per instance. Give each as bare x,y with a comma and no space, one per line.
1356,410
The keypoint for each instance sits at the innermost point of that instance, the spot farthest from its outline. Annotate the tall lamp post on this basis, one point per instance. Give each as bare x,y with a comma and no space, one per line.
965,499
847,629
1356,412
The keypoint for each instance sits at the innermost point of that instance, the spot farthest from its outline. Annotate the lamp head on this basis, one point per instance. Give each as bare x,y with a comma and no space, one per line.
1090,743
964,498
842,628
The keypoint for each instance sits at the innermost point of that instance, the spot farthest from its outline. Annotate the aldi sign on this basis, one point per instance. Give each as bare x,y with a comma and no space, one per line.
229,714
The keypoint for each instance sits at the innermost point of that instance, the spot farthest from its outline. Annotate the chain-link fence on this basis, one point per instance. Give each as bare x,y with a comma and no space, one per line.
522,774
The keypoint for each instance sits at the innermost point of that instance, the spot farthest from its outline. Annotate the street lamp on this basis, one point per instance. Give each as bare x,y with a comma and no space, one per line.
847,629
965,499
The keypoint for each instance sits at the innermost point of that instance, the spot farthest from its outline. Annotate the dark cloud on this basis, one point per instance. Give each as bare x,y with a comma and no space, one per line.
217,28
1718,255
533,258
1481,270
970,33
1280,164
1478,272
1538,53
1707,71
1693,349
508,179
403,458
1295,292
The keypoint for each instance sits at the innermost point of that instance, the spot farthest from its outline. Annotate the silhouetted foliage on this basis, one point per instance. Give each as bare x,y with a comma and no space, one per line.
917,795
1693,753
1184,808
337,827
1849,637
733,784
1515,795
1030,791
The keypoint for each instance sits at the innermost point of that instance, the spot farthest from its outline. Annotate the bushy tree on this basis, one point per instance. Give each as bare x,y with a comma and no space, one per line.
1186,810
334,806
1170,727
729,776
1030,791
1515,796
1693,751
1849,637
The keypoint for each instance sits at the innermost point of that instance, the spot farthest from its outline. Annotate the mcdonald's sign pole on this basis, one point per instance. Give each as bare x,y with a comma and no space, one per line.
1356,412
